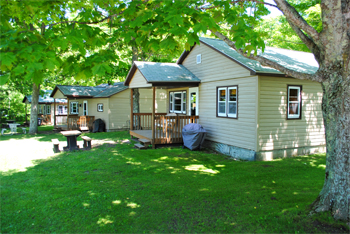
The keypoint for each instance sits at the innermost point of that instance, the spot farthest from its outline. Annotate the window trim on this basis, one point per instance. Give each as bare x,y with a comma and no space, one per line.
226,115
172,102
71,109
48,109
199,58
300,102
99,109
64,109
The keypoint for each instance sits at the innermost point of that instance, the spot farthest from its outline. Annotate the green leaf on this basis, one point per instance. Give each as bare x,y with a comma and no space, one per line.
80,76
4,78
7,59
98,70
18,70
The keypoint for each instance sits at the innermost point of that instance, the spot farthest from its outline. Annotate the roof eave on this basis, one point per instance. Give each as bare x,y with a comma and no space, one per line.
130,74
184,55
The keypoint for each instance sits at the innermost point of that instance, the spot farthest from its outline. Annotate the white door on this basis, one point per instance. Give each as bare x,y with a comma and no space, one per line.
85,108
193,101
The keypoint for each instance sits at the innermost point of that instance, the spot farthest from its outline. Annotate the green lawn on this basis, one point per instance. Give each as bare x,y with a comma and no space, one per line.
116,188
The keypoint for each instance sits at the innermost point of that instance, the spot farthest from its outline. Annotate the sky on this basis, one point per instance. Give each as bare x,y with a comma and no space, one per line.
274,11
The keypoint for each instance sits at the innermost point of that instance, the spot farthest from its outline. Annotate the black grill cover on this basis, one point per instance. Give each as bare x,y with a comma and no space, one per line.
99,126
193,136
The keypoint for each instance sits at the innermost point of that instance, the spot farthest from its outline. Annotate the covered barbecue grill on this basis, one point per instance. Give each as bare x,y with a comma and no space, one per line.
193,136
99,126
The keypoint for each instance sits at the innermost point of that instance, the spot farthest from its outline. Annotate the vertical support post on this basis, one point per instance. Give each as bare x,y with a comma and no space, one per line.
132,109
26,114
153,117
68,110
54,112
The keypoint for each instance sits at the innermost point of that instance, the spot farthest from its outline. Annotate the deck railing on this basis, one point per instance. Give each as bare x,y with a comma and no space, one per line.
143,121
75,122
61,119
168,129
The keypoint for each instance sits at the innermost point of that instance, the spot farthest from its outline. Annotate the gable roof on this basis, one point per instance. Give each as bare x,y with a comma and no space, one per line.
100,91
294,60
162,73
45,99
112,89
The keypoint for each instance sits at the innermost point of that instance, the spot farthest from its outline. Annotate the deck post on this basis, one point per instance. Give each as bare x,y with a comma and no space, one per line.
68,110
132,109
153,119
54,112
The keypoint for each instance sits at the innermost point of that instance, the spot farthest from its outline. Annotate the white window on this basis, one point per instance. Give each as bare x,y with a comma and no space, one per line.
48,109
40,109
227,98
177,102
62,110
100,107
199,58
74,108
294,102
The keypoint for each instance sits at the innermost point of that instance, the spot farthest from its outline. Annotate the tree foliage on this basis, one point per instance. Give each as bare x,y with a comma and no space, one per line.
79,39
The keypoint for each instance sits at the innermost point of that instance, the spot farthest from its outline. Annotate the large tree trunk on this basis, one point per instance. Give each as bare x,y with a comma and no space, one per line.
335,195
33,127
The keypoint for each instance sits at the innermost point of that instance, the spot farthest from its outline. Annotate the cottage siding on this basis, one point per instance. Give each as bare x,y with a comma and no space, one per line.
138,81
240,132
118,111
214,65
274,130
59,95
92,109
217,70
146,99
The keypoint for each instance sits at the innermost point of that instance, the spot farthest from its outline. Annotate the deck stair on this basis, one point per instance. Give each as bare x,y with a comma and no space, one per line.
144,144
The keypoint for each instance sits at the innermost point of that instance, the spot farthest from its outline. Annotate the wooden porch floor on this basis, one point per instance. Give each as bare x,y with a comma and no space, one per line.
142,134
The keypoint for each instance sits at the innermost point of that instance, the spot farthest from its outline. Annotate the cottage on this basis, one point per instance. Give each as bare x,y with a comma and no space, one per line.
86,103
50,110
250,112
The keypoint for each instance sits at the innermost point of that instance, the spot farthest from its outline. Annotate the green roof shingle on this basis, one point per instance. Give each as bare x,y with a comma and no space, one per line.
45,98
294,60
165,72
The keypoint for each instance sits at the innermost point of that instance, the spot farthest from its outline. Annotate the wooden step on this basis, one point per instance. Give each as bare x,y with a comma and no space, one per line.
145,142
140,146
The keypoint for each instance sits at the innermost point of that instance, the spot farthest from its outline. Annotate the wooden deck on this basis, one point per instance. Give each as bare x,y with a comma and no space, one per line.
168,129
142,134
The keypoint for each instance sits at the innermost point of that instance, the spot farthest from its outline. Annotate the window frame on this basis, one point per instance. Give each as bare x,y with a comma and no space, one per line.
48,109
226,114
300,102
71,107
99,105
40,109
64,109
199,58
172,102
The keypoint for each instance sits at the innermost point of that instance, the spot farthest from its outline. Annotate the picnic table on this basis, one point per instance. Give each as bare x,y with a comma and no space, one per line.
71,139
13,127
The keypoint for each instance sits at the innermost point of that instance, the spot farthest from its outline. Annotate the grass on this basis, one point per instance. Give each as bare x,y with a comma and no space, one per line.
116,188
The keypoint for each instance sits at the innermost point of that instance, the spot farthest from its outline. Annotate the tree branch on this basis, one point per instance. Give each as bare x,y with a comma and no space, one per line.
307,41
296,19
266,62
237,1
72,22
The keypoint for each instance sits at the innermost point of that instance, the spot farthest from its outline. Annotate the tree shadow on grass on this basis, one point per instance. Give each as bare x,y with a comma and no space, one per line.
116,188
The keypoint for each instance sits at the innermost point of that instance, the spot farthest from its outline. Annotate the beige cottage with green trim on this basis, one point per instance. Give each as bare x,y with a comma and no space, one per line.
107,102
250,112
